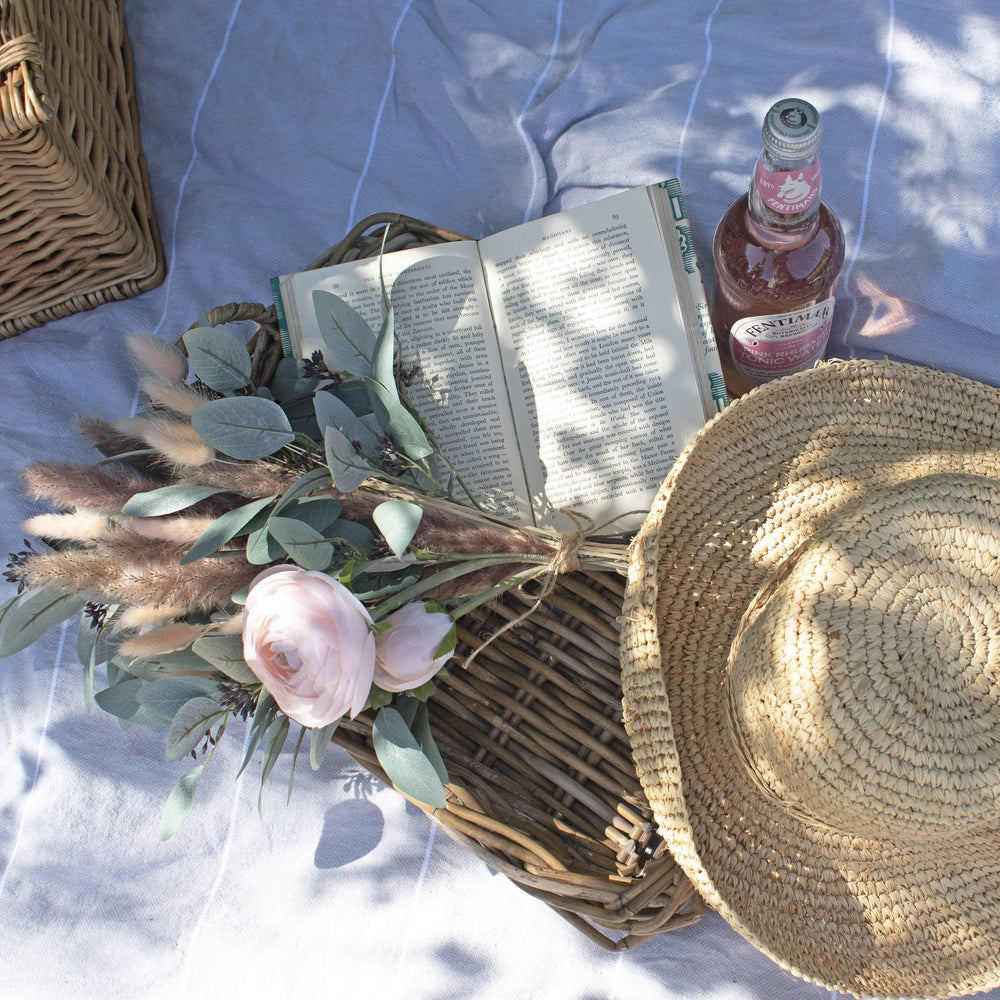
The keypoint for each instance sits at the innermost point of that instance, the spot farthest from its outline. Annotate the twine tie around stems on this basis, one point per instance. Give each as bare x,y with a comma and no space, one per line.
566,559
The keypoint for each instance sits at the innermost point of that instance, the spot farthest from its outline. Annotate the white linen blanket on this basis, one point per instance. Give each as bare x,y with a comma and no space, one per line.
269,129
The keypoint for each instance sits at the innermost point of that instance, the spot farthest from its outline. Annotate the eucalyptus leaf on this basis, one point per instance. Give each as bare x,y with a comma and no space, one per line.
262,549
398,422
223,529
314,479
267,710
123,700
378,586
244,427
218,358
180,664
120,699
398,521
225,653
167,500
295,394
272,750
354,394
407,707
348,341
23,620
395,418
319,743
288,383
421,729
388,564
320,513
357,536
95,645
89,669
179,802
348,468
303,543
160,700
191,724
331,411
384,354
404,762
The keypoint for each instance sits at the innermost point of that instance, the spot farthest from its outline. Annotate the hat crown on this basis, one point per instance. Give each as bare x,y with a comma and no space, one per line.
864,681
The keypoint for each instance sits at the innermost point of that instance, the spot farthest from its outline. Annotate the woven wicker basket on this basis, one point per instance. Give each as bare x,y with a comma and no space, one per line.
77,226
543,786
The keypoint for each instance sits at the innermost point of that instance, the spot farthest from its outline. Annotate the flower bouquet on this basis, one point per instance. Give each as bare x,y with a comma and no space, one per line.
294,550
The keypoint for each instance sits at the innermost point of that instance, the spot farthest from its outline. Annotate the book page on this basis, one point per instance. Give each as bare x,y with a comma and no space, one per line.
589,317
448,346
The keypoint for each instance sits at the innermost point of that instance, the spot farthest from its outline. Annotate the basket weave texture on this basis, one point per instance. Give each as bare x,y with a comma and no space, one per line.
543,786
77,226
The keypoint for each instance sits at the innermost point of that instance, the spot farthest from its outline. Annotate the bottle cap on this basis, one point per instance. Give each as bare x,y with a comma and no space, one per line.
791,128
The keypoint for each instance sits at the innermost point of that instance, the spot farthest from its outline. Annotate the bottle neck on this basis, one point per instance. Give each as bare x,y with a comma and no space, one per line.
783,203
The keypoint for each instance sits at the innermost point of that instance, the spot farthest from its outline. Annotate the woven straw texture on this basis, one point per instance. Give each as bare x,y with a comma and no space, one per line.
543,787
811,670
77,226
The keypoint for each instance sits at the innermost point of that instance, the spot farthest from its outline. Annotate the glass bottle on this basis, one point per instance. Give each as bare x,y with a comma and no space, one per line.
778,253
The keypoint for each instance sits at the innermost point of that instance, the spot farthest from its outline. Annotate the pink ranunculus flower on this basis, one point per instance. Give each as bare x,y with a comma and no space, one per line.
406,653
310,642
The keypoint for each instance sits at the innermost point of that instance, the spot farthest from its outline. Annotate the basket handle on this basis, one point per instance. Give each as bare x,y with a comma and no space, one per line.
265,346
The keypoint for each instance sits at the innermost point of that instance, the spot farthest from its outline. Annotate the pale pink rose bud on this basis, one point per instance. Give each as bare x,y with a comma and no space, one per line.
407,653
310,642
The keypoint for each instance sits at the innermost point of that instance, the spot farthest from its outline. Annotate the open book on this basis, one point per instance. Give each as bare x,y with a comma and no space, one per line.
563,363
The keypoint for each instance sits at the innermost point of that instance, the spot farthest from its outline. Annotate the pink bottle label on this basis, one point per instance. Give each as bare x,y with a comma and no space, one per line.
767,347
788,191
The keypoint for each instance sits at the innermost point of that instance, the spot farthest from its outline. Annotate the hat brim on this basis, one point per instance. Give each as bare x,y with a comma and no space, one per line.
862,916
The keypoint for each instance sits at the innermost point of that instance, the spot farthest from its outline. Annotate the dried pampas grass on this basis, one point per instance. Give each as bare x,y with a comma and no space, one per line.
161,641
125,568
143,616
151,356
78,526
106,439
180,530
105,489
174,439
176,396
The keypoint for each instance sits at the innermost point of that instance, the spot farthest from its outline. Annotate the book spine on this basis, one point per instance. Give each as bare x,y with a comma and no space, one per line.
279,308
706,333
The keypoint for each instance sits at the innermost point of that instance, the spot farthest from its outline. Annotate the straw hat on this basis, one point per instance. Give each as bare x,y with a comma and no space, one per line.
811,670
